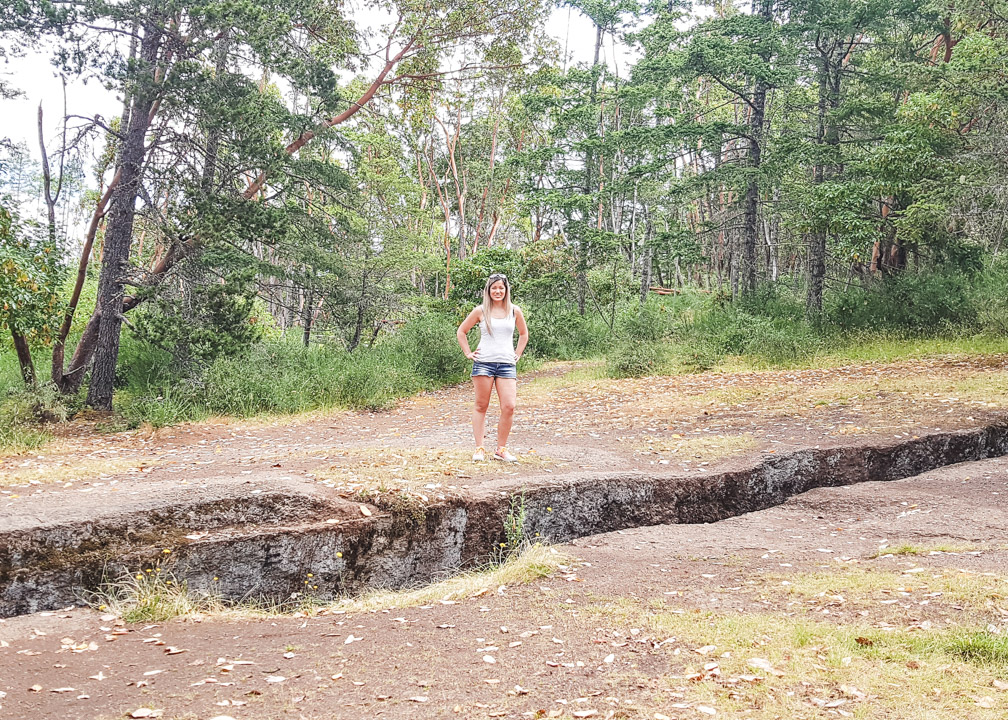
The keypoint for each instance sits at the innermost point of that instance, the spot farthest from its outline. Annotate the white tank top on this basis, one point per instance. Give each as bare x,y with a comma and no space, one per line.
499,347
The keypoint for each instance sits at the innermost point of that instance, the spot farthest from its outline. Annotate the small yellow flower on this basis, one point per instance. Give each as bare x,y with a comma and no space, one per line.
339,554
166,551
149,570
549,509
216,578
310,575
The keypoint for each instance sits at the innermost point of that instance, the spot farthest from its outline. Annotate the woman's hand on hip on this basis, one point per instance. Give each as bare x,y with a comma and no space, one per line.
473,354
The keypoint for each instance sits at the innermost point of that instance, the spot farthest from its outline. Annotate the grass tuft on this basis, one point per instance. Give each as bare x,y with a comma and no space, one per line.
153,595
156,595
531,563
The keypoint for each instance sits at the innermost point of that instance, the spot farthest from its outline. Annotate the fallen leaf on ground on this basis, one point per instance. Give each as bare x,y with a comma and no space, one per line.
765,666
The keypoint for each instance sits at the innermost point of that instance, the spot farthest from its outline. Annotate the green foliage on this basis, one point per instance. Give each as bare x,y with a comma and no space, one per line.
514,526
928,302
649,322
30,277
282,376
634,358
469,276
25,414
428,347
561,333
211,317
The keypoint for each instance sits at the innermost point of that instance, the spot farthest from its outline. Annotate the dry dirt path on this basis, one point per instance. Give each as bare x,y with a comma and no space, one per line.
667,621
570,419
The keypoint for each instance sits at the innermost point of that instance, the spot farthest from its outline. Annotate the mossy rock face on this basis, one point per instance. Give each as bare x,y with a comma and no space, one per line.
265,545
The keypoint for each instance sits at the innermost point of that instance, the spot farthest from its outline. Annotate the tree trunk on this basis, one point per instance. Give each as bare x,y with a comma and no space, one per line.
24,358
589,164
826,168
751,213
645,278
306,317
119,233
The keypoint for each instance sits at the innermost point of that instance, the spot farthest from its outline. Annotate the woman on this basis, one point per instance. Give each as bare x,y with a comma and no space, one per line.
494,360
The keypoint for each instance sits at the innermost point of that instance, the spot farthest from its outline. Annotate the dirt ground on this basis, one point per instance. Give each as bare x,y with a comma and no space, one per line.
590,639
850,601
569,419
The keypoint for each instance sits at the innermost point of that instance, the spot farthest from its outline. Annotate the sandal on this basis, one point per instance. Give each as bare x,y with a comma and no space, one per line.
505,456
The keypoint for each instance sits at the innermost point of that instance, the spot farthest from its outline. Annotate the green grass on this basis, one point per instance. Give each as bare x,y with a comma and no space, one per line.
685,333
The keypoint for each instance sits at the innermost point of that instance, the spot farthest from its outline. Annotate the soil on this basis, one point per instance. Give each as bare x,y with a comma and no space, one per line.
563,424
430,661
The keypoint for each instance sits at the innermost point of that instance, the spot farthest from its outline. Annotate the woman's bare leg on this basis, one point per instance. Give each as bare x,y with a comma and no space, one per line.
483,386
507,394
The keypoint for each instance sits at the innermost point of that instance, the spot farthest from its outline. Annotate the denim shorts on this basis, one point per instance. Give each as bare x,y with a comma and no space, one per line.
494,369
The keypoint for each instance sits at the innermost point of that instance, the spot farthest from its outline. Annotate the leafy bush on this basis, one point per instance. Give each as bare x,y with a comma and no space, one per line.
649,322
24,412
469,276
565,335
919,302
636,359
427,345
212,317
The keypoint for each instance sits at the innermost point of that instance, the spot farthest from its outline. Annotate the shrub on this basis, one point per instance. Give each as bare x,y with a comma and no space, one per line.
635,359
427,345
565,335
919,302
649,322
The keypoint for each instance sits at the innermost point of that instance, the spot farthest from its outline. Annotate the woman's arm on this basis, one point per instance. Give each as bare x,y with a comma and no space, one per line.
463,330
522,333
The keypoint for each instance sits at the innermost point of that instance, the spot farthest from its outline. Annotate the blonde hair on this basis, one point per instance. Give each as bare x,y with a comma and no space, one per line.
488,303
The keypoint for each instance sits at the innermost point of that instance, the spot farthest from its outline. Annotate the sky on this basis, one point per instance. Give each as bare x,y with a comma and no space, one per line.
36,77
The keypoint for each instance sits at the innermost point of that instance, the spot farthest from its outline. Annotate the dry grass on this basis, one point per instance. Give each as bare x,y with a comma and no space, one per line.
426,473
929,549
879,398
556,378
63,470
155,595
856,588
810,668
713,447
532,563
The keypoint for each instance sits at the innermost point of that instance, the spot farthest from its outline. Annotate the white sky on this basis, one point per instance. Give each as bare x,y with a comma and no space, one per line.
36,77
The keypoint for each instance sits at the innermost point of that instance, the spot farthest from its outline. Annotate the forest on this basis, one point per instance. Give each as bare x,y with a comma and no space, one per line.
298,201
